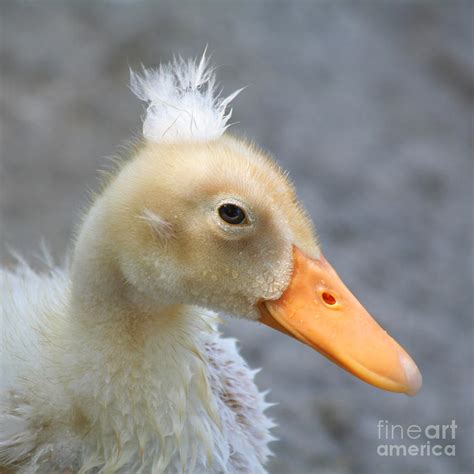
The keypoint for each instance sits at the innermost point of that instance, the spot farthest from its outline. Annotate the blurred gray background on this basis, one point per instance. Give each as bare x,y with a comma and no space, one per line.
367,104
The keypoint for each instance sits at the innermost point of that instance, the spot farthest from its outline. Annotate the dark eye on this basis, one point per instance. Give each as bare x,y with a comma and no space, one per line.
231,213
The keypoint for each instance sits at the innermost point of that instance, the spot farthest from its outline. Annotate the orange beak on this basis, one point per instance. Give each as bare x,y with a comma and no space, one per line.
320,311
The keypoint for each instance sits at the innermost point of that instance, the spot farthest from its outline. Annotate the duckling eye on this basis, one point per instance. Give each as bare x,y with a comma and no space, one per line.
232,214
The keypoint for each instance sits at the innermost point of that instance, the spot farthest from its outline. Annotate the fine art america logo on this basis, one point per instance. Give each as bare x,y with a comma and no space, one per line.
416,440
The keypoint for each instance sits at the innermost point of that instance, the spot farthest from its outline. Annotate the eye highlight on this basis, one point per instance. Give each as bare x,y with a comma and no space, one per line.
231,213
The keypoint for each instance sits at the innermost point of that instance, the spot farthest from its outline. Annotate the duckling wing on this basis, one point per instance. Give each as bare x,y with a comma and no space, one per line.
30,306
242,406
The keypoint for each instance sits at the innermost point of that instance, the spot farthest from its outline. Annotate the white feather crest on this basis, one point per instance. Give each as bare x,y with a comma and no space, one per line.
183,103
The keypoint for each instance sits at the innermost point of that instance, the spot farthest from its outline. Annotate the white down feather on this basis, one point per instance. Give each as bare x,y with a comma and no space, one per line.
49,369
183,103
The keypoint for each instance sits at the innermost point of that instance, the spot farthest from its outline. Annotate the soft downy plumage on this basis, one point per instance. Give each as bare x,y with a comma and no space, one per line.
183,102
47,373
115,363
184,401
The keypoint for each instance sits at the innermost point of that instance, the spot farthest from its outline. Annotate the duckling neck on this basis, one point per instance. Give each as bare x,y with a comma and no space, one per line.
100,294
107,312
134,364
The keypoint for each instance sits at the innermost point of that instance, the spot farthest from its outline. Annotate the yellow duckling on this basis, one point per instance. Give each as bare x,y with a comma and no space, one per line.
116,364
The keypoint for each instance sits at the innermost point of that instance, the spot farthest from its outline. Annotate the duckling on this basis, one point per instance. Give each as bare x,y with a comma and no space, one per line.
115,363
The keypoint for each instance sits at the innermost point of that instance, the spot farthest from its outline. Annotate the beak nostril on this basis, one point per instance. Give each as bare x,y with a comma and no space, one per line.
329,299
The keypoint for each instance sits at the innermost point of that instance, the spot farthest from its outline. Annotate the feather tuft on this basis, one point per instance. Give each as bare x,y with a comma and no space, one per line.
162,228
183,101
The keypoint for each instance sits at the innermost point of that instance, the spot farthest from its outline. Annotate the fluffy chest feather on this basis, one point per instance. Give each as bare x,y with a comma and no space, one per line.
186,402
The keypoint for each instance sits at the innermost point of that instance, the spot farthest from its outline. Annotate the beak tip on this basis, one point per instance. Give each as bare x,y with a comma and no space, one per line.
413,375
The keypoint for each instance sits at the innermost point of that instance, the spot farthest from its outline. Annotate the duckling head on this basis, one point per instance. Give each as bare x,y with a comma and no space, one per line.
200,217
